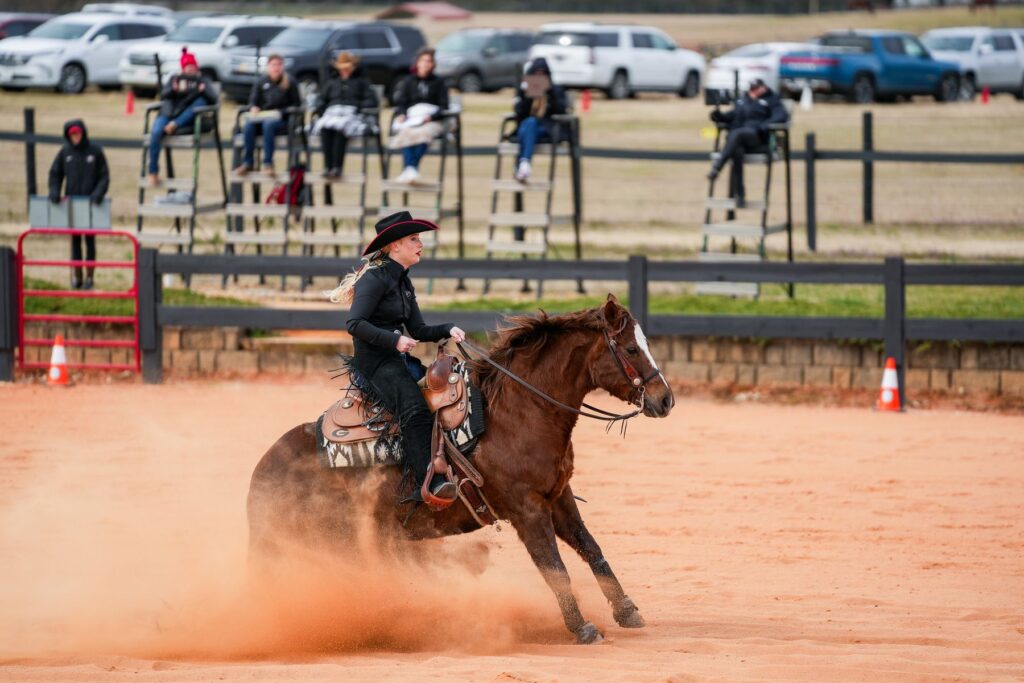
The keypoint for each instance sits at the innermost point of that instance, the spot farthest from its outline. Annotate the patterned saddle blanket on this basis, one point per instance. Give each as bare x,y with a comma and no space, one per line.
357,431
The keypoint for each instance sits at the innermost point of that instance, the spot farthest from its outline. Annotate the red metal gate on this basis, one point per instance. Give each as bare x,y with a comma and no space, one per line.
131,293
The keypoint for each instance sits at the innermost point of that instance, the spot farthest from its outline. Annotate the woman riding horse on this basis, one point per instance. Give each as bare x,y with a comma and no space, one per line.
383,301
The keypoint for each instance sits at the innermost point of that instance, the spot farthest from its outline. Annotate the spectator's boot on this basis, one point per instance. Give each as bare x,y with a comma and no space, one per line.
76,278
88,284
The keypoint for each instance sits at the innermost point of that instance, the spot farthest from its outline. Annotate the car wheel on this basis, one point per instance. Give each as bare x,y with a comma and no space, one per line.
863,91
968,88
143,92
1020,92
949,89
110,87
309,90
691,86
619,88
72,79
470,82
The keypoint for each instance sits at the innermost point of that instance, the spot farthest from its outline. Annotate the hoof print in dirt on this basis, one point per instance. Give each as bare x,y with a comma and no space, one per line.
588,634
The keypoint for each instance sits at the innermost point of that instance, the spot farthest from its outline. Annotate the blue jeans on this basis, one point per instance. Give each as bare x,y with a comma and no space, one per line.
156,134
413,154
270,129
531,129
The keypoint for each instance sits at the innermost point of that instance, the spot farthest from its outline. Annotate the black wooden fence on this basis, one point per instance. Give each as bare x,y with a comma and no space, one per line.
868,156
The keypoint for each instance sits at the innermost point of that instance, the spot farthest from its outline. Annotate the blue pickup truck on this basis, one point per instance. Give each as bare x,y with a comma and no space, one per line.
866,66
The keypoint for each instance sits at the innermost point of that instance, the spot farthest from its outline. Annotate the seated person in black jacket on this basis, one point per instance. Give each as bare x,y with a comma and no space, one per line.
81,168
422,86
183,94
537,100
275,91
338,111
748,132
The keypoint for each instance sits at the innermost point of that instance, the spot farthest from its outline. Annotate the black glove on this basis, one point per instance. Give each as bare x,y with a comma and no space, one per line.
716,116
55,199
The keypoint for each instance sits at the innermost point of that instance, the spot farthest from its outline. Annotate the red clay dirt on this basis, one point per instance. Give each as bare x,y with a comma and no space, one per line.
761,542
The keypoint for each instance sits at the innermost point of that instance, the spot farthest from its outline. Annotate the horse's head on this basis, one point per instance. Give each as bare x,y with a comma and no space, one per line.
624,366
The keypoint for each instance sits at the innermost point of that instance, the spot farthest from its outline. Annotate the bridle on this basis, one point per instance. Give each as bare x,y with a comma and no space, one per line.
638,382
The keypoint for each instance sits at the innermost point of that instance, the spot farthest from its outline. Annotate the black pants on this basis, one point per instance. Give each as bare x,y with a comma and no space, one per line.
744,140
334,144
76,252
391,382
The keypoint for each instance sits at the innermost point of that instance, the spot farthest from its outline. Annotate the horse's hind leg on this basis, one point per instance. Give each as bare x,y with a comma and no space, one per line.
570,528
537,534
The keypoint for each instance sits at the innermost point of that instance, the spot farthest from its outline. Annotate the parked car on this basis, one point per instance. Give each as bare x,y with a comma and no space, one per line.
309,47
479,59
869,65
988,58
621,60
210,38
127,8
75,50
760,60
14,24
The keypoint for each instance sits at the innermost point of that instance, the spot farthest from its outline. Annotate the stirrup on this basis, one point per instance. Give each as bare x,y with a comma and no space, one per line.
439,502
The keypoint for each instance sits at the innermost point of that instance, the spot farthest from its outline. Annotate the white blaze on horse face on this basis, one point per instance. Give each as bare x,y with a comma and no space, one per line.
641,341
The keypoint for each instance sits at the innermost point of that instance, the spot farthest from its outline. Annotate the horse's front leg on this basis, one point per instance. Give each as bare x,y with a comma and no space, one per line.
537,533
570,528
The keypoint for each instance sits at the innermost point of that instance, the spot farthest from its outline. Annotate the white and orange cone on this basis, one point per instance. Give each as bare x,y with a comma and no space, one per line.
58,373
889,398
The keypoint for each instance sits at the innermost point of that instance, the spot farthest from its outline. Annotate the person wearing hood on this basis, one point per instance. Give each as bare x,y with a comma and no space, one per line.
748,125
81,168
183,94
274,91
421,91
537,101
338,111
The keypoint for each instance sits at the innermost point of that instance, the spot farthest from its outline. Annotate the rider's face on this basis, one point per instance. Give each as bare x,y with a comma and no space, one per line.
407,250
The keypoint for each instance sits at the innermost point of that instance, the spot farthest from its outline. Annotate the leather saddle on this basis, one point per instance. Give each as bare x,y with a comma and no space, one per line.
353,419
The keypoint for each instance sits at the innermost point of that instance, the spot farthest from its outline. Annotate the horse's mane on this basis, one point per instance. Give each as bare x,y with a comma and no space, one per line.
525,335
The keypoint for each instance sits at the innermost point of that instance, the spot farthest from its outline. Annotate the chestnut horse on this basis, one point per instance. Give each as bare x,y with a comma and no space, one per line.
525,456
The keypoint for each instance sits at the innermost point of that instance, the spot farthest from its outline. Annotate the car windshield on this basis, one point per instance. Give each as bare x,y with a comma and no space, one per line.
60,30
859,43
749,51
301,36
463,42
949,43
566,39
194,33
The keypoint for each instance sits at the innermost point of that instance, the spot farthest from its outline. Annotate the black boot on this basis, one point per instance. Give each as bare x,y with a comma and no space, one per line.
76,278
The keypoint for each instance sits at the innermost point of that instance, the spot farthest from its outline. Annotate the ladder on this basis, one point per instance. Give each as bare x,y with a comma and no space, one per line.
754,227
448,143
347,219
531,230
181,202
236,239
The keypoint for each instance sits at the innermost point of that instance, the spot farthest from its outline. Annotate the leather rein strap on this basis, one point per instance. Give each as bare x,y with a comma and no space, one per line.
595,412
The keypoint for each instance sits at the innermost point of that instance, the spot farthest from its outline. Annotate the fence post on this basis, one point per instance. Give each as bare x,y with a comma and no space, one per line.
150,332
895,318
30,152
812,217
637,274
8,314
868,146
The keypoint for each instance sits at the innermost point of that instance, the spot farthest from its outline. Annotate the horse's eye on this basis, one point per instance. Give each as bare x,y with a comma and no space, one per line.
632,350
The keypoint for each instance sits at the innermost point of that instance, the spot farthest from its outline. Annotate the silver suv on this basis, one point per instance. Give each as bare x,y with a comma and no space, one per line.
483,59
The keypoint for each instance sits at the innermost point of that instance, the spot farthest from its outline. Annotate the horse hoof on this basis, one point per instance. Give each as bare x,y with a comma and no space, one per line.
628,615
588,634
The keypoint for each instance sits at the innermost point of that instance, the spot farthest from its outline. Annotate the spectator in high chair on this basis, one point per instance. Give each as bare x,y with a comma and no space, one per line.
538,100
419,99
275,91
184,93
340,112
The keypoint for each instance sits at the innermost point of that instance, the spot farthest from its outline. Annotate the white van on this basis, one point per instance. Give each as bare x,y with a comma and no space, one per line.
619,59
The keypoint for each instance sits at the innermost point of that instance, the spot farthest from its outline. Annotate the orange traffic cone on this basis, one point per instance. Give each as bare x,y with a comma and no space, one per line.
585,101
889,398
129,102
58,374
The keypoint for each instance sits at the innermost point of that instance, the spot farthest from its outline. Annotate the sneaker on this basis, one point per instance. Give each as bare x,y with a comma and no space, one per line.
523,171
268,170
154,180
334,173
414,175
76,283
243,170
712,174
408,175
88,283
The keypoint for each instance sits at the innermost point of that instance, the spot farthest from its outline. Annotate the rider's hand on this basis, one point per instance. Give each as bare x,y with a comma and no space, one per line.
457,335
405,344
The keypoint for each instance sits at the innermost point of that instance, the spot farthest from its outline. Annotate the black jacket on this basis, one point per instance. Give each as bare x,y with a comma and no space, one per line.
557,103
755,113
269,95
415,90
173,101
385,301
354,91
81,168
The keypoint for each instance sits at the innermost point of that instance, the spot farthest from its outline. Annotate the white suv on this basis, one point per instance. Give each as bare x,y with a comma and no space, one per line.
621,60
75,50
209,38
988,57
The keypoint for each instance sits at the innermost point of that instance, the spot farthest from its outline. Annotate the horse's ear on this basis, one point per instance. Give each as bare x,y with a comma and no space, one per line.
613,311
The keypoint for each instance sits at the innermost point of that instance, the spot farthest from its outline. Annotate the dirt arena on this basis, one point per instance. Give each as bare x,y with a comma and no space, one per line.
760,542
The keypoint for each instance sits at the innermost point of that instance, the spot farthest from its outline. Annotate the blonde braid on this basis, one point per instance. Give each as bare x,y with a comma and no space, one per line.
345,291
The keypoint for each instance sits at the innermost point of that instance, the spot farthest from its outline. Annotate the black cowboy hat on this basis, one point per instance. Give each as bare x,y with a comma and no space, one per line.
395,227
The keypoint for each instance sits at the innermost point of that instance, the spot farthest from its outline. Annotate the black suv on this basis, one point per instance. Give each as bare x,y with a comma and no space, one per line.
386,51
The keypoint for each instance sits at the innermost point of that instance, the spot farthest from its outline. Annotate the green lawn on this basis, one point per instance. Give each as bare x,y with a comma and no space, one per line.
68,306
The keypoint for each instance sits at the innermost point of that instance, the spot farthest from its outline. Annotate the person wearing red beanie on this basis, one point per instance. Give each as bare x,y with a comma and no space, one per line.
182,95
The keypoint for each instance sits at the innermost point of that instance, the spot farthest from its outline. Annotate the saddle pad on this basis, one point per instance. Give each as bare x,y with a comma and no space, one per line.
386,451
